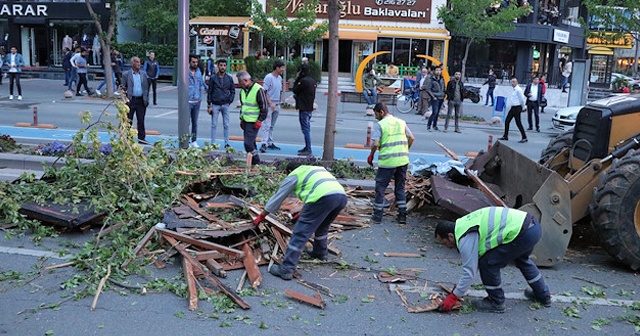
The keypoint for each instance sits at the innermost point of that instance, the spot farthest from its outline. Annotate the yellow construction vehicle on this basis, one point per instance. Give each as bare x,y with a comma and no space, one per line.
593,170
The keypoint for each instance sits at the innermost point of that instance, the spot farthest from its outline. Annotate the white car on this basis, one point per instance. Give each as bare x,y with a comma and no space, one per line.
634,84
565,118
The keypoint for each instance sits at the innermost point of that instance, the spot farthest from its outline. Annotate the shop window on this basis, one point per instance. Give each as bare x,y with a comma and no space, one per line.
401,51
600,70
418,47
384,44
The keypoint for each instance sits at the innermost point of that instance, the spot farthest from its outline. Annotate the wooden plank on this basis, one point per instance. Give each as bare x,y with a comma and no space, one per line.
140,246
207,275
187,269
249,261
204,255
243,278
202,243
403,255
215,268
191,203
316,300
279,240
320,288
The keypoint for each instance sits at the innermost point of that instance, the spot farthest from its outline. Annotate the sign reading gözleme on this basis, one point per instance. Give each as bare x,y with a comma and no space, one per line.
383,10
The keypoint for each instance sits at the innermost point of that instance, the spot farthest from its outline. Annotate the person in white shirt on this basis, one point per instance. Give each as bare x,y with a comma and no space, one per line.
74,68
534,92
516,103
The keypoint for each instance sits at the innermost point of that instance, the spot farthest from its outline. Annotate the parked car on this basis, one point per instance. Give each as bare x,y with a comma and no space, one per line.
565,118
634,84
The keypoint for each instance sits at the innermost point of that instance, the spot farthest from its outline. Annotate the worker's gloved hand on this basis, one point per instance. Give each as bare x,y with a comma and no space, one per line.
449,302
295,218
259,219
257,125
370,160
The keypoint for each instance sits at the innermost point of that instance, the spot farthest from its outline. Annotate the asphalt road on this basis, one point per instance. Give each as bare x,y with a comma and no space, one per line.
351,126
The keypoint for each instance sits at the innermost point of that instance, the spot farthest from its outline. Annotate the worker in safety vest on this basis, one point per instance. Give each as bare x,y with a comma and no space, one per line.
394,138
253,100
488,239
323,198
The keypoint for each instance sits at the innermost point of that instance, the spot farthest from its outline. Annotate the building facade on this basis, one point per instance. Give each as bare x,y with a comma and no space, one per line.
39,29
551,30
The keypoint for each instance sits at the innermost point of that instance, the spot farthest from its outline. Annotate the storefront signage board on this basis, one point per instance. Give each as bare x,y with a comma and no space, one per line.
382,10
561,36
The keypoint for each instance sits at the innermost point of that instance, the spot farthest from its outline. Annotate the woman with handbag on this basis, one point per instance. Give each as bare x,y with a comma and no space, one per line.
543,101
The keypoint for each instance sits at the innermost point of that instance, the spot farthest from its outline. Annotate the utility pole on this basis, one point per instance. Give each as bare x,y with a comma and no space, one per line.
183,80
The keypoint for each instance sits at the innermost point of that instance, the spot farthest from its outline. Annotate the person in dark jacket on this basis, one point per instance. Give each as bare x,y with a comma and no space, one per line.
305,90
455,90
116,57
222,90
66,66
534,93
491,80
152,68
435,90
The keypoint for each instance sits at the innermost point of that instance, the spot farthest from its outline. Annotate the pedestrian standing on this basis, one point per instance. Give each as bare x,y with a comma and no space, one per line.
74,70
273,85
455,89
119,61
533,92
566,73
488,240
561,63
82,65
323,197
394,138
424,100
221,93
196,85
135,84
66,66
152,68
113,79
491,81
14,63
210,67
304,88
435,89
515,105
543,103
253,111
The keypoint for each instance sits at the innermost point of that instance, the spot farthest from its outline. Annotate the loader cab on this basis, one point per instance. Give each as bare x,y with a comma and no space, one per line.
603,124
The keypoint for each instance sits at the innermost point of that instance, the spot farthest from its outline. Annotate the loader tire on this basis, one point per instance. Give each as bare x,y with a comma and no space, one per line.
556,145
616,210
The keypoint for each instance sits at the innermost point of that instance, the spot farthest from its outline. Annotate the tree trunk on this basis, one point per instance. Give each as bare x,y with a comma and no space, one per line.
332,102
464,59
105,40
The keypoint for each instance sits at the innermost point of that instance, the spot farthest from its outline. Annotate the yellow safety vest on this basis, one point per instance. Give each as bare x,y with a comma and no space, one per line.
250,110
496,226
314,183
394,146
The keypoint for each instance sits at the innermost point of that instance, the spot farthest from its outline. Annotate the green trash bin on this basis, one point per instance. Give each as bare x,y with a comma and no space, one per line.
175,71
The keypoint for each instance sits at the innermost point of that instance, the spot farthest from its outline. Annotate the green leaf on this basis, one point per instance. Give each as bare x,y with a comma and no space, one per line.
48,332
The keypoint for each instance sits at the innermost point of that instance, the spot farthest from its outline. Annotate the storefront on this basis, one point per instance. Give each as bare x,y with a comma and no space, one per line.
600,51
39,30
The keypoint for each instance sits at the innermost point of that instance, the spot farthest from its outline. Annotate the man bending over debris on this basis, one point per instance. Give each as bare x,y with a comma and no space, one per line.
488,239
323,198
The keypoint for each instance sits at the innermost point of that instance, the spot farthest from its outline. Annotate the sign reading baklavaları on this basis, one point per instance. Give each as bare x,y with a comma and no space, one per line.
381,10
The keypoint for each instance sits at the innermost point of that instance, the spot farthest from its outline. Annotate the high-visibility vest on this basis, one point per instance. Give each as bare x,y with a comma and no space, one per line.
394,146
496,226
314,183
250,109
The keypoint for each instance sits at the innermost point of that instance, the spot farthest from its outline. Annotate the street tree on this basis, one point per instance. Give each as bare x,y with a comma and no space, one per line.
478,20
618,20
277,26
333,11
105,38
158,19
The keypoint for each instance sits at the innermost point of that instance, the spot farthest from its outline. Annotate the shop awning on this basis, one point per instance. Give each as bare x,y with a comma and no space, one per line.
600,51
357,35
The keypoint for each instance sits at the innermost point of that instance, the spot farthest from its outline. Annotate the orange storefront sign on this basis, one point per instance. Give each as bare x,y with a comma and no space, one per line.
608,39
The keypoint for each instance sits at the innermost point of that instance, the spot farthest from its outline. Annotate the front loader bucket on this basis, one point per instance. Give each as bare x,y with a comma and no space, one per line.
526,185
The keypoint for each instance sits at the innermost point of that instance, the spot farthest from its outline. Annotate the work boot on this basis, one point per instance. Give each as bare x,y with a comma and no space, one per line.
314,255
402,218
376,218
529,294
281,272
488,305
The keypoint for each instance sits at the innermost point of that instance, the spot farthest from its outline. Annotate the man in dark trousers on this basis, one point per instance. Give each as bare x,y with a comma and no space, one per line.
222,90
135,84
514,105
435,89
491,81
253,111
323,197
534,93
394,138
152,68
66,66
304,89
488,240
455,93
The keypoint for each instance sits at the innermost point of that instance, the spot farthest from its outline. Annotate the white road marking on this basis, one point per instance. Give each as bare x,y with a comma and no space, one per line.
32,253
165,114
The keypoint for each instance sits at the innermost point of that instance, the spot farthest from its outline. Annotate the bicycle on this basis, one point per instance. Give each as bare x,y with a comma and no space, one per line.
408,100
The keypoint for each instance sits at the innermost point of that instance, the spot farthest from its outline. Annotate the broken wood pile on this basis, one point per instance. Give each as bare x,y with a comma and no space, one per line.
418,189
214,234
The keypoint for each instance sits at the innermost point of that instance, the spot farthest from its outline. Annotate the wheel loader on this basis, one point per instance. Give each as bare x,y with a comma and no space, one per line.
592,172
